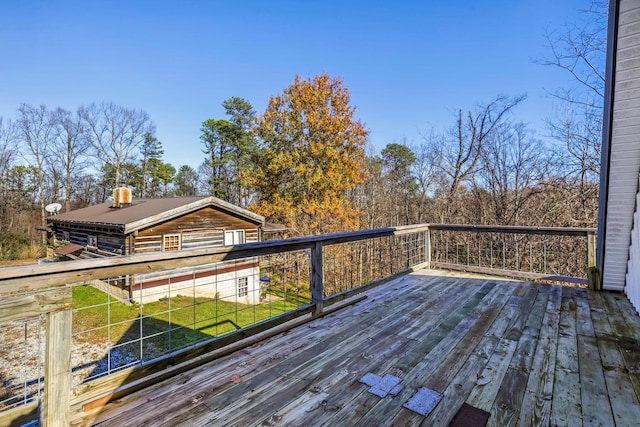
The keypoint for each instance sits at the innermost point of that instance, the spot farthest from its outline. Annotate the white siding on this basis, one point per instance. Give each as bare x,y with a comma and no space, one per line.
632,288
625,147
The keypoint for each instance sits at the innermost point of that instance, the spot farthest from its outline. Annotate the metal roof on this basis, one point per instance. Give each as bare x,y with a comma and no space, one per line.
69,249
146,212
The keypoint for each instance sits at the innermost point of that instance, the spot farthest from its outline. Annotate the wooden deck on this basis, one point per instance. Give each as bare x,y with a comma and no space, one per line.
549,355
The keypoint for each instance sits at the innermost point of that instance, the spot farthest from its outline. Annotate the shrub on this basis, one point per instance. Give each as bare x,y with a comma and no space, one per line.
12,245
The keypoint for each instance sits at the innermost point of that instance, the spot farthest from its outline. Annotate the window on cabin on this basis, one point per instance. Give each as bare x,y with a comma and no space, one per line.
243,286
171,242
92,241
65,236
234,237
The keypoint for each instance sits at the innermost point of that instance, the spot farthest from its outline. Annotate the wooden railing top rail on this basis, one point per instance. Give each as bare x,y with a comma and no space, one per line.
515,229
31,278
34,277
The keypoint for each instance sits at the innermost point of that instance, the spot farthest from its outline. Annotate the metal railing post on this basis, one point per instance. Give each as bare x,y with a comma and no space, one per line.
317,290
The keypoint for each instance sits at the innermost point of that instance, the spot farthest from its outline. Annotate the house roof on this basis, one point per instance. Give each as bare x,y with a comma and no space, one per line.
146,212
69,249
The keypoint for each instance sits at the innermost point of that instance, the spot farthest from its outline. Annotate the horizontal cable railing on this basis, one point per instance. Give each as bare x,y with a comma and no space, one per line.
126,320
533,253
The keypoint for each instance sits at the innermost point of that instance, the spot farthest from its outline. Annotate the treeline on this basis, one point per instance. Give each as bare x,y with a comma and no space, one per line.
487,168
303,162
76,158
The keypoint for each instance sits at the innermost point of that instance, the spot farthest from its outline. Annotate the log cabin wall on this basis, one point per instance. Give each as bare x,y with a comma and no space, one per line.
199,229
109,243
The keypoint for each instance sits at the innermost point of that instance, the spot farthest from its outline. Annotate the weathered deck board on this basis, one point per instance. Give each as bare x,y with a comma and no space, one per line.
551,355
566,399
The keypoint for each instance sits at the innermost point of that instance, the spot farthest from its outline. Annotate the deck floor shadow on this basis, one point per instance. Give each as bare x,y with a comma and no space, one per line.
527,353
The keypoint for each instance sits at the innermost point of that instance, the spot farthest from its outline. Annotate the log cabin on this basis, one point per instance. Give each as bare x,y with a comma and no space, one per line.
125,226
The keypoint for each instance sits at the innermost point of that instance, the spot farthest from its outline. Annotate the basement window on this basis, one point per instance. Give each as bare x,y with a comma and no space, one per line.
171,242
243,286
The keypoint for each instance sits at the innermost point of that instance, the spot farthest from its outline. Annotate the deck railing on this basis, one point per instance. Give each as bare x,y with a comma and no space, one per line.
78,334
533,253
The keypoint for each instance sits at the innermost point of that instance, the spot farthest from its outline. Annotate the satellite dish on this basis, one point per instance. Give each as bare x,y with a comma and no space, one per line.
53,208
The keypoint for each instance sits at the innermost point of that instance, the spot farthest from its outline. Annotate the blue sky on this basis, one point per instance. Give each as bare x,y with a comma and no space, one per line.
407,64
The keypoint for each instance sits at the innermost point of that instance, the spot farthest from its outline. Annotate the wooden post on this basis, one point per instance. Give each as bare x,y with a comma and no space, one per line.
57,370
427,248
317,289
592,272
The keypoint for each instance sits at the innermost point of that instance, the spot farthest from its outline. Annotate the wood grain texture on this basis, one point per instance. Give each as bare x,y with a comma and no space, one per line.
433,329
57,370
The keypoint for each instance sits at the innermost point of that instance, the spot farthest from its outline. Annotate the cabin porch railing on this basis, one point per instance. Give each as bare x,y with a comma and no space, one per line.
298,278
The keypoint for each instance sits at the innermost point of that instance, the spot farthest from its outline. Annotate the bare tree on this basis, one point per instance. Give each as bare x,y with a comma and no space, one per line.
8,148
36,130
579,49
424,172
457,155
70,149
115,132
514,166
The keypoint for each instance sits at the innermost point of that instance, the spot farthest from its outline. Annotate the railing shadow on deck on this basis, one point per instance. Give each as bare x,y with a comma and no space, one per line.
326,269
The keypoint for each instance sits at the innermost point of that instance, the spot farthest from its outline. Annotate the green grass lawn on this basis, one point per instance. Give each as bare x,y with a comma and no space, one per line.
165,325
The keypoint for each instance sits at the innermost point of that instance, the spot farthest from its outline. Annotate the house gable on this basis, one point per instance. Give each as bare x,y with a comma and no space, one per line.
202,228
196,221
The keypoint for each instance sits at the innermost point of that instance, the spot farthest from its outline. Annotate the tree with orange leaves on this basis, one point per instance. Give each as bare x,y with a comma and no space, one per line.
311,154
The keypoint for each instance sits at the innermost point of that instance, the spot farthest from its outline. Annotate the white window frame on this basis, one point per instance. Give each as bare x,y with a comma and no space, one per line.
243,286
92,241
165,237
234,237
